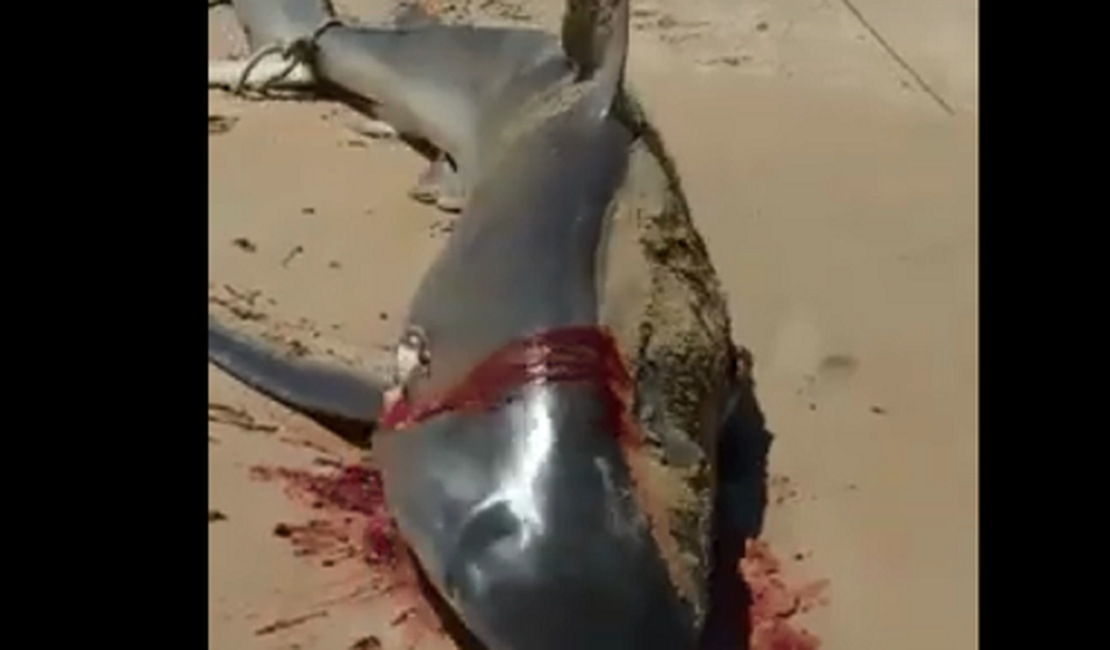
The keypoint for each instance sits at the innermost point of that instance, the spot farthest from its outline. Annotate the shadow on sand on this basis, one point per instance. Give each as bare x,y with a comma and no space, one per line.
741,502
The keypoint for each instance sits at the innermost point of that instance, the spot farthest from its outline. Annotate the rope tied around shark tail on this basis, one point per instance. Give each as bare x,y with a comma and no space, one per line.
298,51
568,354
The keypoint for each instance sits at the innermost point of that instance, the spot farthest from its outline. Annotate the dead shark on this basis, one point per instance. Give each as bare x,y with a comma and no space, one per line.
532,517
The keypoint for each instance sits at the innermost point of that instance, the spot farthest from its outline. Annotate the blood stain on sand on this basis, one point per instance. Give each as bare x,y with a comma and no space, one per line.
774,603
350,522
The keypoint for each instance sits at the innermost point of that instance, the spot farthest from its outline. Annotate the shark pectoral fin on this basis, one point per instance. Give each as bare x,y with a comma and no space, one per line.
309,387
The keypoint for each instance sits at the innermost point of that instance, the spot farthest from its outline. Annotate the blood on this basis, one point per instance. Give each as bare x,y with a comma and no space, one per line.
573,354
352,523
354,489
774,603
569,354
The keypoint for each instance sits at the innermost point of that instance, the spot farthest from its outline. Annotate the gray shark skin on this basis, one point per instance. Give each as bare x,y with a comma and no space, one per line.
305,385
450,85
524,516
459,107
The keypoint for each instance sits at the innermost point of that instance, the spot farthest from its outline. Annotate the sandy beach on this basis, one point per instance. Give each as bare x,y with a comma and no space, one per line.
830,155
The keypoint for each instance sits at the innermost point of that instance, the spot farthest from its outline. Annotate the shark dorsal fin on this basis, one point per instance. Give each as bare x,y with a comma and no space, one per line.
595,39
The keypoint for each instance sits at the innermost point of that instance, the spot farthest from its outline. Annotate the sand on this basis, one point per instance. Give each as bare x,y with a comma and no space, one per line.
838,197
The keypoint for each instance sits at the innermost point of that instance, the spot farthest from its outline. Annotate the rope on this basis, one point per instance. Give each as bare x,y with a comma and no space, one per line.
297,51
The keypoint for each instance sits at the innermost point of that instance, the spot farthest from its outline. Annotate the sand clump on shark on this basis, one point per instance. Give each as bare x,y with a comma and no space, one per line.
536,515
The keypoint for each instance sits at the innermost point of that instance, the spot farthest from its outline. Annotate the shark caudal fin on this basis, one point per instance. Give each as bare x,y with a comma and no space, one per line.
595,39
305,386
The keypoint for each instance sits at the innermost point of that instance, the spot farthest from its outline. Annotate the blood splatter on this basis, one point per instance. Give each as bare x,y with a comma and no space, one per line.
774,603
352,489
351,522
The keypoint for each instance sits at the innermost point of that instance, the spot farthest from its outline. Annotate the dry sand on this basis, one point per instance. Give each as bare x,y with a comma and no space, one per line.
838,199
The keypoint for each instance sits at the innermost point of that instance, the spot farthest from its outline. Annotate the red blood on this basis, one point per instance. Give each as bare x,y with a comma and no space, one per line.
774,603
355,489
570,354
574,354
